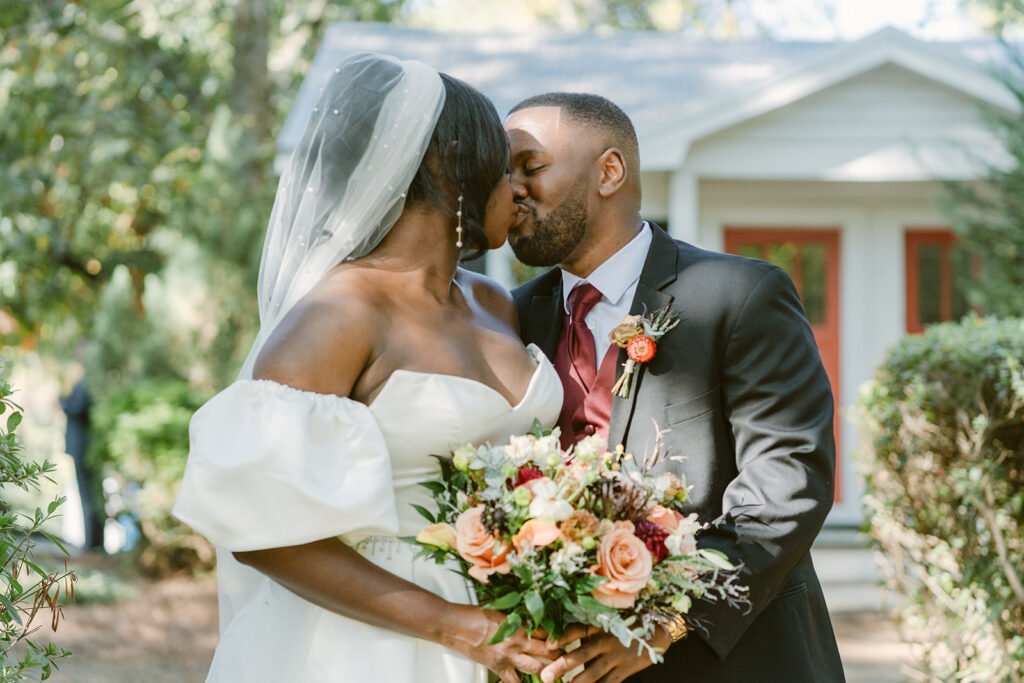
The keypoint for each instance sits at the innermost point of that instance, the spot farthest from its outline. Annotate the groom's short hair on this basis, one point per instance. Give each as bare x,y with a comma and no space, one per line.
592,111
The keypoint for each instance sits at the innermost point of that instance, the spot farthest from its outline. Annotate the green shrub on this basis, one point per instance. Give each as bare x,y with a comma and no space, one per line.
943,459
27,591
140,436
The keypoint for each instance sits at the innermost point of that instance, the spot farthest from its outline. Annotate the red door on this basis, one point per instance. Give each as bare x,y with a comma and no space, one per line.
811,257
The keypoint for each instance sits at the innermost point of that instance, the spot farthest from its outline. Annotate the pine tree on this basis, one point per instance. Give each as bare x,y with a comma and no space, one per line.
988,215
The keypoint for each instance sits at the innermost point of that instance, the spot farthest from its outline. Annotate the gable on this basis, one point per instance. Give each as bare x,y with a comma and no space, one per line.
888,123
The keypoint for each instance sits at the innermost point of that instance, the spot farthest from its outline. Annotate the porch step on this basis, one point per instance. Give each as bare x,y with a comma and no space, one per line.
849,574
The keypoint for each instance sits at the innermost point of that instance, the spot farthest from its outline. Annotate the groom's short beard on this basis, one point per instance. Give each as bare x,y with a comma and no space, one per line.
556,235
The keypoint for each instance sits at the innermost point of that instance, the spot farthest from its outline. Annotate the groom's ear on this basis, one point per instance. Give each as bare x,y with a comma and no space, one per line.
612,166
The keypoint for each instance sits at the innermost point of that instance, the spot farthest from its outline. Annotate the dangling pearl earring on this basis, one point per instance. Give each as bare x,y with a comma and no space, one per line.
458,228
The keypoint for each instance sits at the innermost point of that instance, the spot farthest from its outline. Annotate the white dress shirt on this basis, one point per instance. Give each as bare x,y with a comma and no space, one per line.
616,279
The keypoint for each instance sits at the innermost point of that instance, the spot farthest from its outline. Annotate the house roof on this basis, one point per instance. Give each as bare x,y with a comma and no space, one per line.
676,90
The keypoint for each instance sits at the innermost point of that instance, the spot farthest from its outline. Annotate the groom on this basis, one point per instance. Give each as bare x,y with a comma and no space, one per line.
738,382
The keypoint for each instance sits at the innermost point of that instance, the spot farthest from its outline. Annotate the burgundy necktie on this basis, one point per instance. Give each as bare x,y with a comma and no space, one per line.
582,352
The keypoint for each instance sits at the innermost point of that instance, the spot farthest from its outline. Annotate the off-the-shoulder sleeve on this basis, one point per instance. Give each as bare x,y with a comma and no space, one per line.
272,466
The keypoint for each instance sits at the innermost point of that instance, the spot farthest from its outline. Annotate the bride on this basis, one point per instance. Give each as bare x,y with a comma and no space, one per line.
375,351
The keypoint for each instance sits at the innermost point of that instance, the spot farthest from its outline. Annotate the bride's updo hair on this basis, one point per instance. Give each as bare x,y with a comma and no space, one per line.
467,155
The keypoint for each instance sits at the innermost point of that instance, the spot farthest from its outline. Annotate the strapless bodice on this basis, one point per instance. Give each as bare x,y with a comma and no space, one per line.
422,414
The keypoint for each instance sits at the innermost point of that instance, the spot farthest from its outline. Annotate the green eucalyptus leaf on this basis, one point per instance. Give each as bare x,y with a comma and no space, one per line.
425,513
505,602
534,605
508,627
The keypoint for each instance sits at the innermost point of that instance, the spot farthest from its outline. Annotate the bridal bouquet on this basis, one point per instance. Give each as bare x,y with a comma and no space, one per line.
589,536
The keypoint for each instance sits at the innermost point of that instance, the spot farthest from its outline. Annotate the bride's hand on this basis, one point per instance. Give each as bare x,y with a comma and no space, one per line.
516,653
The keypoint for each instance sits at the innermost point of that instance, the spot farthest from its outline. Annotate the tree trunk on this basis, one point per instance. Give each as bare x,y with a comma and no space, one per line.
250,89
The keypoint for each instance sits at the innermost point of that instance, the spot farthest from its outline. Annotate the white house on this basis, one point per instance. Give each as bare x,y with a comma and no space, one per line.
822,157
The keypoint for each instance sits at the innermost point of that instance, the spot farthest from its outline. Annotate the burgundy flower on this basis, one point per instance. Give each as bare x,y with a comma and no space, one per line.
527,473
653,535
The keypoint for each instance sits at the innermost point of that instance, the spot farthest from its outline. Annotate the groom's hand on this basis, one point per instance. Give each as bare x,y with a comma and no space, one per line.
602,656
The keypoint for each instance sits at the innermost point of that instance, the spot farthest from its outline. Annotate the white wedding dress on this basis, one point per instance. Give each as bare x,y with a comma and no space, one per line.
273,466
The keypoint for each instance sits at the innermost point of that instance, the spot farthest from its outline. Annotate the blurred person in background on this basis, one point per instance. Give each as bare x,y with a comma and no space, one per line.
76,405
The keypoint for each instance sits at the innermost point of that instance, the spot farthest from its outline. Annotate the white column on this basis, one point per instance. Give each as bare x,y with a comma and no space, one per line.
684,206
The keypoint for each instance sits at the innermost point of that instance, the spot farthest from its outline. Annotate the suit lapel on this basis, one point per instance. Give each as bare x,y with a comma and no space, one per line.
660,270
544,323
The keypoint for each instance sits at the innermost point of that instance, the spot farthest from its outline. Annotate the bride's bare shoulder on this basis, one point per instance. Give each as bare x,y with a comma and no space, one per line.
327,339
489,295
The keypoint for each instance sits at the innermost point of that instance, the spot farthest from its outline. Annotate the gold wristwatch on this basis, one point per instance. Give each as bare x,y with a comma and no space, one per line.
676,628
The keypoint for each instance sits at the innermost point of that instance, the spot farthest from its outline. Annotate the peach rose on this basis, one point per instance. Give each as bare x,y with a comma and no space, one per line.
626,562
663,517
535,533
440,535
485,552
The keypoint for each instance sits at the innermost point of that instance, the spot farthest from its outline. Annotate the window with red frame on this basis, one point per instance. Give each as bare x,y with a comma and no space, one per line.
936,269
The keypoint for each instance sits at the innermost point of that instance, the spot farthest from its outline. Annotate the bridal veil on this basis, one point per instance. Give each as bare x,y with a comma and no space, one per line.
344,187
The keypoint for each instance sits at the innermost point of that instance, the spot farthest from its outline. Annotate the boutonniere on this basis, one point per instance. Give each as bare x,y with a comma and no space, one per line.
639,335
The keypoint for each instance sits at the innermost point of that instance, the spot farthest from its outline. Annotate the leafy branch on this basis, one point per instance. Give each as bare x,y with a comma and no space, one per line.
27,591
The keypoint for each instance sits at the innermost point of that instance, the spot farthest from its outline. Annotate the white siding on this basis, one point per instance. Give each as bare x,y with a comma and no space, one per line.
884,125
655,205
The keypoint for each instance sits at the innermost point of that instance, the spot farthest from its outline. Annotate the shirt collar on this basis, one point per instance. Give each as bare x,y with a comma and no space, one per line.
617,274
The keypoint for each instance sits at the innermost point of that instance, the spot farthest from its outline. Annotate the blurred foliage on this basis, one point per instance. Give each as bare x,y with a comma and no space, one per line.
120,145
943,422
1002,17
102,149
27,591
104,584
102,587
145,441
988,215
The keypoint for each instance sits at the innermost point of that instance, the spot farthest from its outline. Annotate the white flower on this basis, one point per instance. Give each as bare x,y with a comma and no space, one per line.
546,504
550,508
519,449
680,544
544,488
689,524
568,558
528,448
682,603
682,541
590,447
545,446
663,482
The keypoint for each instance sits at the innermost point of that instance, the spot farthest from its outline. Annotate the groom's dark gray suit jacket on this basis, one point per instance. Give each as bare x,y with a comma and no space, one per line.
741,387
